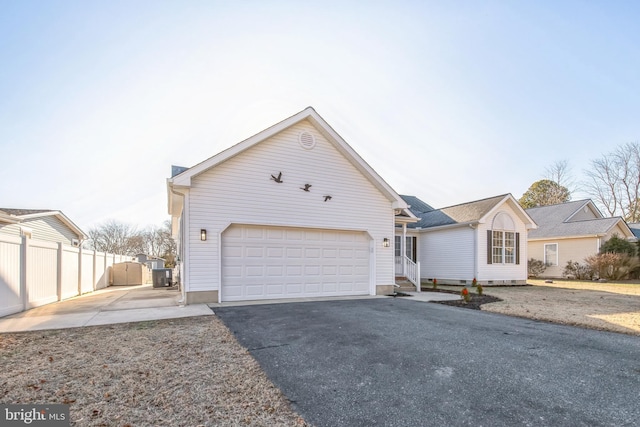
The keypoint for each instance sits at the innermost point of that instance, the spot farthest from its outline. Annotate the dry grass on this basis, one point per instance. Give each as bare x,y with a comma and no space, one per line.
605,306
182,372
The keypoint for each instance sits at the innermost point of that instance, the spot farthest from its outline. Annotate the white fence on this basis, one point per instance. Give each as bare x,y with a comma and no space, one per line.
34,272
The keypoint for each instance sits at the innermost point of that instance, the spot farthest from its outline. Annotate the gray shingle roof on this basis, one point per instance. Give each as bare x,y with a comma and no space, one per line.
553,221
19,212
457,214
416,205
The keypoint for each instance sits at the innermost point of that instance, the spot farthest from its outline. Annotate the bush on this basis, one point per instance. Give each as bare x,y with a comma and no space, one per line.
613,266
578,271
616,245
535,267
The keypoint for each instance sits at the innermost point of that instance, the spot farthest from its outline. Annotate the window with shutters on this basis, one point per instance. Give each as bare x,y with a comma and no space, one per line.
503,241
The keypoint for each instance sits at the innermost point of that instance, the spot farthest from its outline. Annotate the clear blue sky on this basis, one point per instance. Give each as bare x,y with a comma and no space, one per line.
450,101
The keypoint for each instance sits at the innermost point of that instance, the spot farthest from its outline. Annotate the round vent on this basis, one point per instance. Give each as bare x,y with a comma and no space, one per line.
307,140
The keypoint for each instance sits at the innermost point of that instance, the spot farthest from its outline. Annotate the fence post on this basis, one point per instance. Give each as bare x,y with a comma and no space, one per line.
24,294
93,280
80,270
59,278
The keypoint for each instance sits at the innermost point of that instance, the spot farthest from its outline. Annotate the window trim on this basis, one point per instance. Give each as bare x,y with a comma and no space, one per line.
557,254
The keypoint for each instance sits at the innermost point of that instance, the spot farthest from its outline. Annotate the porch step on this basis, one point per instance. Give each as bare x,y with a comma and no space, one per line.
405,286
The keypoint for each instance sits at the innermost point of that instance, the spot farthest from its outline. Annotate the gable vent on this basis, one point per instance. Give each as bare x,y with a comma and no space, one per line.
307,140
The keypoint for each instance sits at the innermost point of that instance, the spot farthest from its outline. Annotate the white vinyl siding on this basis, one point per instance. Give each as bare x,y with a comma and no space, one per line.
49,229
241,191
447,254
499,273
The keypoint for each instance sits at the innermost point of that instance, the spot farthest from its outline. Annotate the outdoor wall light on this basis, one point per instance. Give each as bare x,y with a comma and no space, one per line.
385,243
203,234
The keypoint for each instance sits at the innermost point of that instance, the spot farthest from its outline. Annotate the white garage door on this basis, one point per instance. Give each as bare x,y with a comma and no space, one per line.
279,262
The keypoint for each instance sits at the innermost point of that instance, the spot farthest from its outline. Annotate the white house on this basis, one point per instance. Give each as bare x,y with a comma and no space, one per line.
291,212
484,239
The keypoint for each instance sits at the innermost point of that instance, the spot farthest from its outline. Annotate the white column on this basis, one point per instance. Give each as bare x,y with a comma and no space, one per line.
403,245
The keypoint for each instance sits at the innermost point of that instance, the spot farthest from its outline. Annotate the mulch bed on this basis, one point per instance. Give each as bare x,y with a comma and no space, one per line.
474,304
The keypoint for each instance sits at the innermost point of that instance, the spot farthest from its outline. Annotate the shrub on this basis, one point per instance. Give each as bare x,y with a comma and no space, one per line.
480,289
578,271
474,282
616,245
435,283
535,267
613,266
464,293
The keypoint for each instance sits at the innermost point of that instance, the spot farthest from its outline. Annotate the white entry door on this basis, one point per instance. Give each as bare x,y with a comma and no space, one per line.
280,262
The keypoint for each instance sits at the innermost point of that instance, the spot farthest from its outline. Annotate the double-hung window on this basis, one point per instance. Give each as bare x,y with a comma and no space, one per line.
502,243
503,247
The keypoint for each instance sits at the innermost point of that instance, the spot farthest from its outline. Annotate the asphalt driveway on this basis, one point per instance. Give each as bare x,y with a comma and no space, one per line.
394,362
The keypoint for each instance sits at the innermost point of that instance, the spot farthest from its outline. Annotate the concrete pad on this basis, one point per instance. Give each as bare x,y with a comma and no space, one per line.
145,314
115,304
431,296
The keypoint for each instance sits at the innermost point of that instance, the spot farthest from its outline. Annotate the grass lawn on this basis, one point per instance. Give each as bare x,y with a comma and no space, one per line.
610,306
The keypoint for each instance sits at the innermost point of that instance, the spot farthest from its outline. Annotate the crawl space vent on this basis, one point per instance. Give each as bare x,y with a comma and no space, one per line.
307,140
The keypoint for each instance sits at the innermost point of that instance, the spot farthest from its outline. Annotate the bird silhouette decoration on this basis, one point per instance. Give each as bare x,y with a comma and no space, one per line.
306,187
277,179
327,198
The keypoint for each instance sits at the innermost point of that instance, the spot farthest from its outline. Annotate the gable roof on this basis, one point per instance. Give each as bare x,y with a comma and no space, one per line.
468,213
635,228
20,215
183,179
556,221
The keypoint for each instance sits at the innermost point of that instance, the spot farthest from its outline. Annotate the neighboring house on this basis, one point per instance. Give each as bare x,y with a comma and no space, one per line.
571,231
150,261
291,212
484,239
40,224
635,229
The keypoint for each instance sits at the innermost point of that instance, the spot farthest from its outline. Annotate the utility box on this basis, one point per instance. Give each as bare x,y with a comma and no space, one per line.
162,277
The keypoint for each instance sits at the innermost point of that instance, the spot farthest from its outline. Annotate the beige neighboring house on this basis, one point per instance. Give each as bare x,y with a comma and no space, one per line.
571,231
40,224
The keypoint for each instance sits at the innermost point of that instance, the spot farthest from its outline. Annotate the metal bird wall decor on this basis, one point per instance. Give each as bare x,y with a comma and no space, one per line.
306,187
277,179
327,198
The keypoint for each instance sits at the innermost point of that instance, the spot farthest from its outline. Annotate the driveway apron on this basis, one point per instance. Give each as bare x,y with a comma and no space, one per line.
393,362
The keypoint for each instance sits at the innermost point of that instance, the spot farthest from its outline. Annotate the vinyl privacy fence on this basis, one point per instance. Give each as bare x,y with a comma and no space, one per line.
34,272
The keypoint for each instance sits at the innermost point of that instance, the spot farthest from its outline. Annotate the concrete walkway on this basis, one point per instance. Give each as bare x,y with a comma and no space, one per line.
122,304
115,304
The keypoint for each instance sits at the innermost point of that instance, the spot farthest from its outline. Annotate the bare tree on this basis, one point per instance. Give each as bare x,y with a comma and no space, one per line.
614,181
560,173
119,238
113,237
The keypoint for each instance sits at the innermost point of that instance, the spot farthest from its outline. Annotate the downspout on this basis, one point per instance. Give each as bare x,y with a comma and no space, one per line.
182,301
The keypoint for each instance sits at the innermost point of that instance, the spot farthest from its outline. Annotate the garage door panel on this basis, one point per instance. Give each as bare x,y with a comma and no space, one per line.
271,262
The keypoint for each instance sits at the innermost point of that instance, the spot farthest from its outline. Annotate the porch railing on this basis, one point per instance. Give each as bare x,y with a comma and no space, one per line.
412,271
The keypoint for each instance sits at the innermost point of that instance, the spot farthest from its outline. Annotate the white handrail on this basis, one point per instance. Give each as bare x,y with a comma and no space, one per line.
412,272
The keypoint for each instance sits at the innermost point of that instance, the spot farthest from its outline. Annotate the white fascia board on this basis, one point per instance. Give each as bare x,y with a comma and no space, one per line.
530,224
9,219
584,236
360,164
471,224
184,178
